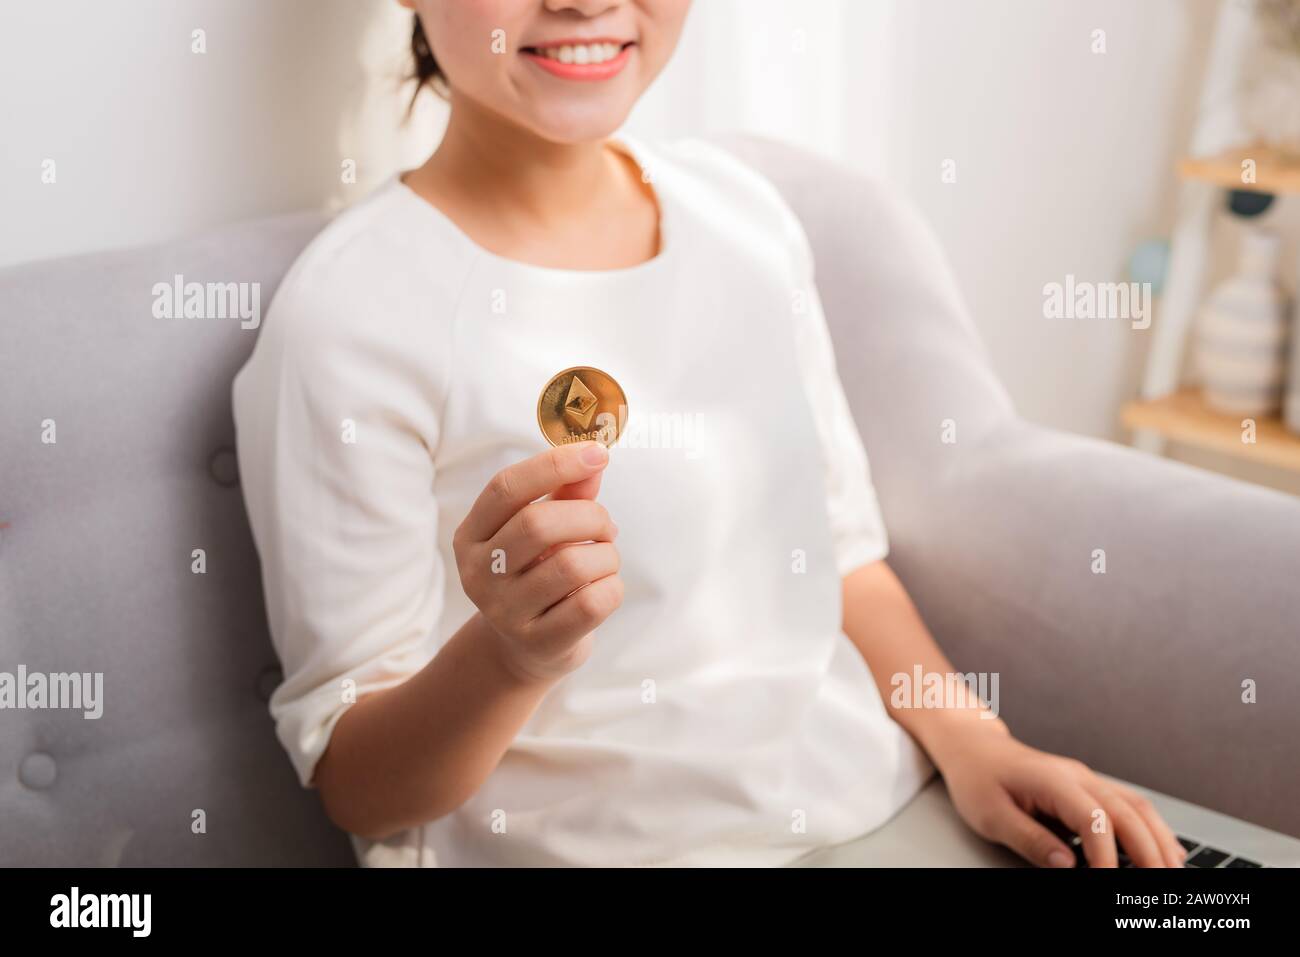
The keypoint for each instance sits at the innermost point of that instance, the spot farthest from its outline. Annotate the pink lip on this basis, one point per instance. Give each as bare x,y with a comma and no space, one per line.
582,71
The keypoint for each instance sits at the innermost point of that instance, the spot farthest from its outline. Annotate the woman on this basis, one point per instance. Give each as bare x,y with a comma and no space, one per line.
481,666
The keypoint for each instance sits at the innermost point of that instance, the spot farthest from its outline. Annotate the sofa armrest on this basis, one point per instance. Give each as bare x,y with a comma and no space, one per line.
1140,670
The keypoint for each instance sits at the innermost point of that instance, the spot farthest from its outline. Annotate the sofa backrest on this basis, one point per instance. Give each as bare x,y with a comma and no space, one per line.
124,550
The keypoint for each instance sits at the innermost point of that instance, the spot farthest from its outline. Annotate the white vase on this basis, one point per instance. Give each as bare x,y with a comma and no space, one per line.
1242,333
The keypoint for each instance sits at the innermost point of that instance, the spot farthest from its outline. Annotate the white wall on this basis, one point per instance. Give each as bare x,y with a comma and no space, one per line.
1063,156
152,141
1064,162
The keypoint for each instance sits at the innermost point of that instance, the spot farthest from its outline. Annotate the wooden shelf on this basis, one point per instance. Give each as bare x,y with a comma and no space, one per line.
1184,417
1274,172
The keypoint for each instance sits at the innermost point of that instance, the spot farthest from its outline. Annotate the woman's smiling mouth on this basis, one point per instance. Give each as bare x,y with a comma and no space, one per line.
581,59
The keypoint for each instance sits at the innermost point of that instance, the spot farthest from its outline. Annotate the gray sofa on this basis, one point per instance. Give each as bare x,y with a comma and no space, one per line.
1138,671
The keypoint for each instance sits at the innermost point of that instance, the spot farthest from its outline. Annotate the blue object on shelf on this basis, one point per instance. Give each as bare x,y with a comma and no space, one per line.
1150,263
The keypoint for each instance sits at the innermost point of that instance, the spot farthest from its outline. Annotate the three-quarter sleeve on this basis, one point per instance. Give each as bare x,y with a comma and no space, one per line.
335,427
857,526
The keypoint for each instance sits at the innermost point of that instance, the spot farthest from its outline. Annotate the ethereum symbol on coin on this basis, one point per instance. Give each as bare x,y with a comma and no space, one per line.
580,404
574,400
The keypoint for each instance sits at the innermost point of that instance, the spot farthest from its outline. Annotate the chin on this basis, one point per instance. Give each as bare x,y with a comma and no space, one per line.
578,124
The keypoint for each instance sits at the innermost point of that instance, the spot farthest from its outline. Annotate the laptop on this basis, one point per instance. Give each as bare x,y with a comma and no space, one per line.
928,832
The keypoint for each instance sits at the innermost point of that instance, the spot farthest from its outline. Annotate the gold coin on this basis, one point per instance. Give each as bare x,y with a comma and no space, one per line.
582,403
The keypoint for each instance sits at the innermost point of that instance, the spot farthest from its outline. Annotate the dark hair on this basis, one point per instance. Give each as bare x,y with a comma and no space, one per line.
426,71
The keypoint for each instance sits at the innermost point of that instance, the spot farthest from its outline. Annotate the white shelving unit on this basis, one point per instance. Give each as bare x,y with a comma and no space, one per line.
1165,410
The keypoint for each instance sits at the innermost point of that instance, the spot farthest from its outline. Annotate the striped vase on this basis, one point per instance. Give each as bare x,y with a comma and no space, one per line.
1242,337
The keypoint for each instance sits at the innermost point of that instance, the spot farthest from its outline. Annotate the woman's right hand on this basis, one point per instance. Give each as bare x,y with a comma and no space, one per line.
543,574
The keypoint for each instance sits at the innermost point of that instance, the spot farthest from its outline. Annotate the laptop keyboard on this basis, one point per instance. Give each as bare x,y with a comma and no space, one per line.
1198,855
1206,856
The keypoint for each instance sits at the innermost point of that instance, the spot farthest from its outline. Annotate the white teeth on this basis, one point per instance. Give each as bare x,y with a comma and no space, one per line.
584,54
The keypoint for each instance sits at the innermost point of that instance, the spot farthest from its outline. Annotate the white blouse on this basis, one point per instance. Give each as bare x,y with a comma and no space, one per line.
723,716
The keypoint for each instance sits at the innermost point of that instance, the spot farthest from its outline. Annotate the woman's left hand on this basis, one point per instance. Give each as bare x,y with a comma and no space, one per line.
997,783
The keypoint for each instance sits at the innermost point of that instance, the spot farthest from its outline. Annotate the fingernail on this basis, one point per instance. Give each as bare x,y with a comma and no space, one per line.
595,454
1060,859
